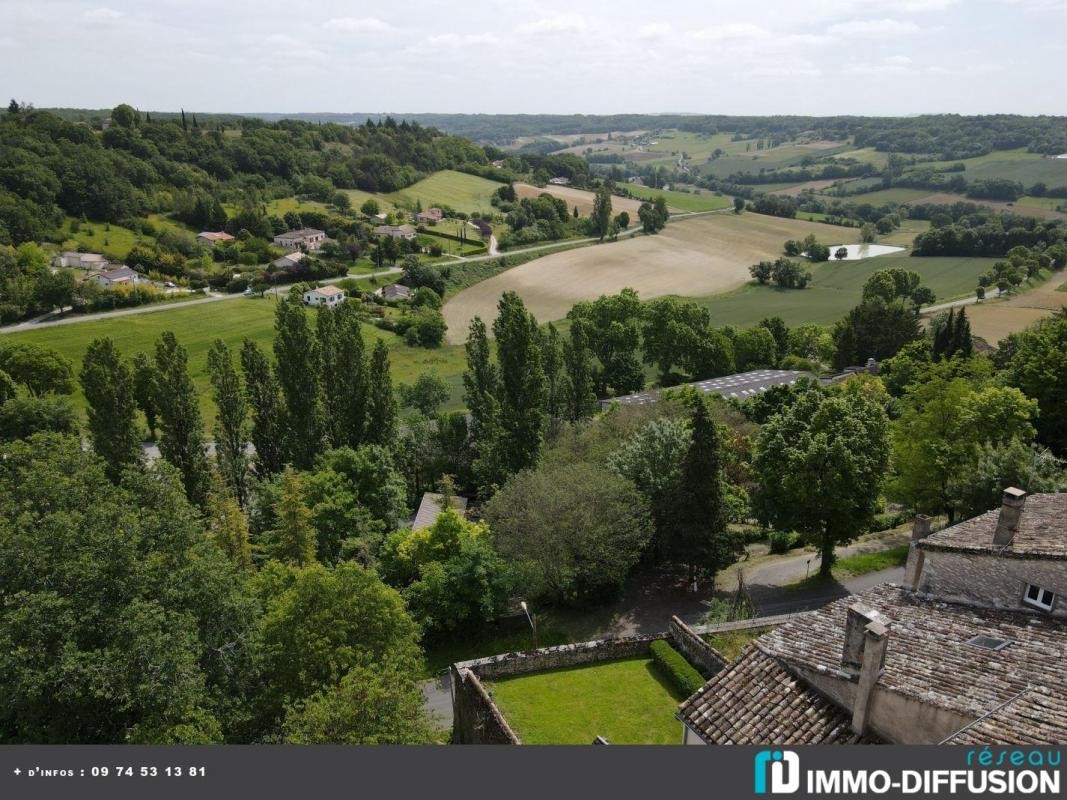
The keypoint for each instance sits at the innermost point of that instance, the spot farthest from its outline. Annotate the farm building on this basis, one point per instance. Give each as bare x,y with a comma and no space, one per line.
289,260
396,231
303,239
328,296
80,260
430,509
968,651
740,386
121,275
211,238
394,291
430,215
560,181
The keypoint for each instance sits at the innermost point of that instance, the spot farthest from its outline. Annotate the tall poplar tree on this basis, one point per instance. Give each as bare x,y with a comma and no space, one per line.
298,361
182,433
556,389
580,401
108,386
523,389
144,390
344,373
601,216
381,400
264,397
230,422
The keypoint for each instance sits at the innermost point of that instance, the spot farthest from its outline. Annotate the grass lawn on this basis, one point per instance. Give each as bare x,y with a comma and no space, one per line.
101,237
459,190
705,200
232,321
858,564
731,643
626,702
837,286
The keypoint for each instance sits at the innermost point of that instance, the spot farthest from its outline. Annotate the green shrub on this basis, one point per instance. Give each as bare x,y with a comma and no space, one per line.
679,671
781,541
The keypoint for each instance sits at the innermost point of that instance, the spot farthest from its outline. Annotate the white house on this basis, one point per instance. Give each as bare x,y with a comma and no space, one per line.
303,239
329,296
120,276
396,231
80,260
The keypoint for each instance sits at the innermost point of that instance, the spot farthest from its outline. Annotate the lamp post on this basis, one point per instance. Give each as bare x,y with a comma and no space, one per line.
533,621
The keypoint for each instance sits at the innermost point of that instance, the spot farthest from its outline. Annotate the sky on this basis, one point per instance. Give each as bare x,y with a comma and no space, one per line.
820,57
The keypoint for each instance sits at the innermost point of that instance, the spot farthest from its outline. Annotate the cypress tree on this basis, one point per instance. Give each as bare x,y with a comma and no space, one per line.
962,344
298,365
108,386
522,389
230,422
701,539
264,397
381,400
144,390
182,434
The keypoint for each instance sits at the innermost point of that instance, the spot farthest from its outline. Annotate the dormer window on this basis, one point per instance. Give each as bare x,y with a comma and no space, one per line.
1039,598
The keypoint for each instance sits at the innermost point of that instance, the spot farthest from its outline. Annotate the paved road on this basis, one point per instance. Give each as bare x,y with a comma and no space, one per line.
51,320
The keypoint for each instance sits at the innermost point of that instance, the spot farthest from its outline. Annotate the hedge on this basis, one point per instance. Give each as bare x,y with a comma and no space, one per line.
679,671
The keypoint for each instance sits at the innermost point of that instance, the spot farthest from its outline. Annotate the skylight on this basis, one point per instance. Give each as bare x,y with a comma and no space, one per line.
989,642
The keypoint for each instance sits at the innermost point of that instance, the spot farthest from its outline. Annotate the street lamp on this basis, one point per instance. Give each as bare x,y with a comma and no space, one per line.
533,621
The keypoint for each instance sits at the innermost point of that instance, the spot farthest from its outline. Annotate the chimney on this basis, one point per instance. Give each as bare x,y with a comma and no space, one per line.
913,569
875,642
858,618
1011,510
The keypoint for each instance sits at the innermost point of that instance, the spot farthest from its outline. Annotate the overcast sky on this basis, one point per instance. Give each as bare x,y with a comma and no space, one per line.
543,56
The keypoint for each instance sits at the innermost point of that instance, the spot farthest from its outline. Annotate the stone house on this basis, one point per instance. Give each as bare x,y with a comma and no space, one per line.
211,238
394,291
309,239
120,276
396,231
970,651
289,260
74,260
430,215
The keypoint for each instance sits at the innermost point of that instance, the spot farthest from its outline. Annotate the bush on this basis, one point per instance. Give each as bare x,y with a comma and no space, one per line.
781,541
679,671
796,362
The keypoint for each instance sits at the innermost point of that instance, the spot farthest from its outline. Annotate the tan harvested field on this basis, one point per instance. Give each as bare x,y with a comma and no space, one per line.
580,198
694,256
793,191
942,198
995,320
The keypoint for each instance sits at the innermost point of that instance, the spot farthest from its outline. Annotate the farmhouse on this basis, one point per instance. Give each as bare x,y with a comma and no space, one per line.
394,291
119,276
211,238
431,506
289,260
739,385
430,215
80,260
328,296
969,651
396,231
303,239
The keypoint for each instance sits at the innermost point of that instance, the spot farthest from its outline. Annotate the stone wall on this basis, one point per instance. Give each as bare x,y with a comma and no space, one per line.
989,580
476,719
564,655
697,652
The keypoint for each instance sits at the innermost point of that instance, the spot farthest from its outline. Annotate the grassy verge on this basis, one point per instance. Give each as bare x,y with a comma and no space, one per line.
626,702
857,564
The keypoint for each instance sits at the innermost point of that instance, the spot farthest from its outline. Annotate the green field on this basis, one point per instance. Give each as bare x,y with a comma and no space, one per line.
461,191
837,287
898,194
867,155
683,201
100,237
232,321
626,702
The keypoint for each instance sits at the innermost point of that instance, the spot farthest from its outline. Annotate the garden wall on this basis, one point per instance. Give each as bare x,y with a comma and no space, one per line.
705,658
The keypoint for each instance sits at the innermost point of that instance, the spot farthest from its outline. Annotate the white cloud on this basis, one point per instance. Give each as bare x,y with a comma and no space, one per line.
357,25
732,31
873,28
453,41
550,25
1040,6
903,60
657,30
102,15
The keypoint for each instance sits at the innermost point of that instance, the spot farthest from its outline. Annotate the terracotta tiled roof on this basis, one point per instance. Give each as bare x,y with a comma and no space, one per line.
755,700
1042,531
929,657
1023,720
